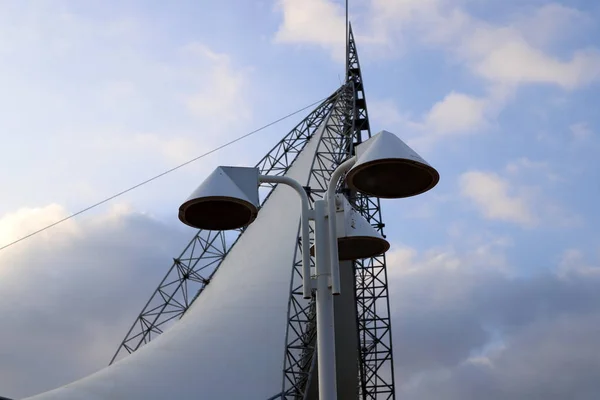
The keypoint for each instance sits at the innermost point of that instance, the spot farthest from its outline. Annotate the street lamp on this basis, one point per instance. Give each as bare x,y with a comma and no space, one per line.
383,166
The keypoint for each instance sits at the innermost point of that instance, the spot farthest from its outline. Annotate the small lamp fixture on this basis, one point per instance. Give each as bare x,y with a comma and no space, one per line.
227,199
387,167
356,238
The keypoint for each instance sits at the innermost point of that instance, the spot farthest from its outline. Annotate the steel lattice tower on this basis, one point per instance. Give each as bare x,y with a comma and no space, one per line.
342,121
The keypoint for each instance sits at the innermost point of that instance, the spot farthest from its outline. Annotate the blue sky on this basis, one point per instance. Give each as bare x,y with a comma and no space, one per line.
498,95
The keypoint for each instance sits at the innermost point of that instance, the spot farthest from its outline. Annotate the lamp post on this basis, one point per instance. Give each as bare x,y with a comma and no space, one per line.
383,166
324,305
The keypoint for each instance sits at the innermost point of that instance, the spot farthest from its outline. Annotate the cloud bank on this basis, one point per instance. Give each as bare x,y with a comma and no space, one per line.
70,294
468,326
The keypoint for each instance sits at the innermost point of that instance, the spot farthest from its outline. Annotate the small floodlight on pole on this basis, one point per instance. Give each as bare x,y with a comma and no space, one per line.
356,237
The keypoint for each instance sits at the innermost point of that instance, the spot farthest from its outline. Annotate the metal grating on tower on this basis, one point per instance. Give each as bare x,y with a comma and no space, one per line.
347,126
372,299
335,139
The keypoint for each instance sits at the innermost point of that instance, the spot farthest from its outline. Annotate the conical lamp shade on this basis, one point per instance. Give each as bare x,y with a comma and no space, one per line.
227,199
356,237
387,167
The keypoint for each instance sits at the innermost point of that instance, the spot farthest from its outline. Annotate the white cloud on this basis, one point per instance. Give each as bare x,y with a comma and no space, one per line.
573,265
484,249
429,21
24,221
457,113
495,198
515,62
380,26
551,23
506,54
580,131
222,94
509,54
317,22
524,165
386,113
512,198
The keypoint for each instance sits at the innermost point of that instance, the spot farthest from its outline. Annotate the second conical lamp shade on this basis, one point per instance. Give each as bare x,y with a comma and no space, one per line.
227,199
387,167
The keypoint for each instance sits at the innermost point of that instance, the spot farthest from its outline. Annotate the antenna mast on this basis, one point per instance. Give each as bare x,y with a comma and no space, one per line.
347,44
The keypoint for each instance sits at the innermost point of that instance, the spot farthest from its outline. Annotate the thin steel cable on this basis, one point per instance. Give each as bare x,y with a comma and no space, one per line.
159,175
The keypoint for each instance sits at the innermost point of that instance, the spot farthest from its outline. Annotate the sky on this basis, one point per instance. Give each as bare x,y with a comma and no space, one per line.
494,275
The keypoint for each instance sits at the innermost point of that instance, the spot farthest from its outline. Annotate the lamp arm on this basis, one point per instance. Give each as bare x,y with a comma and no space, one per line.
333,254
306,283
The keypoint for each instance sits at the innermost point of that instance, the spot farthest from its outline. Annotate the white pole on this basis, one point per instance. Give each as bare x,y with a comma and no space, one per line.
306,285
323,255
333,256
325,328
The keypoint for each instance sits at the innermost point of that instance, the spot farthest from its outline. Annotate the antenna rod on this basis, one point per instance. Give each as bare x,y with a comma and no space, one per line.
347,39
